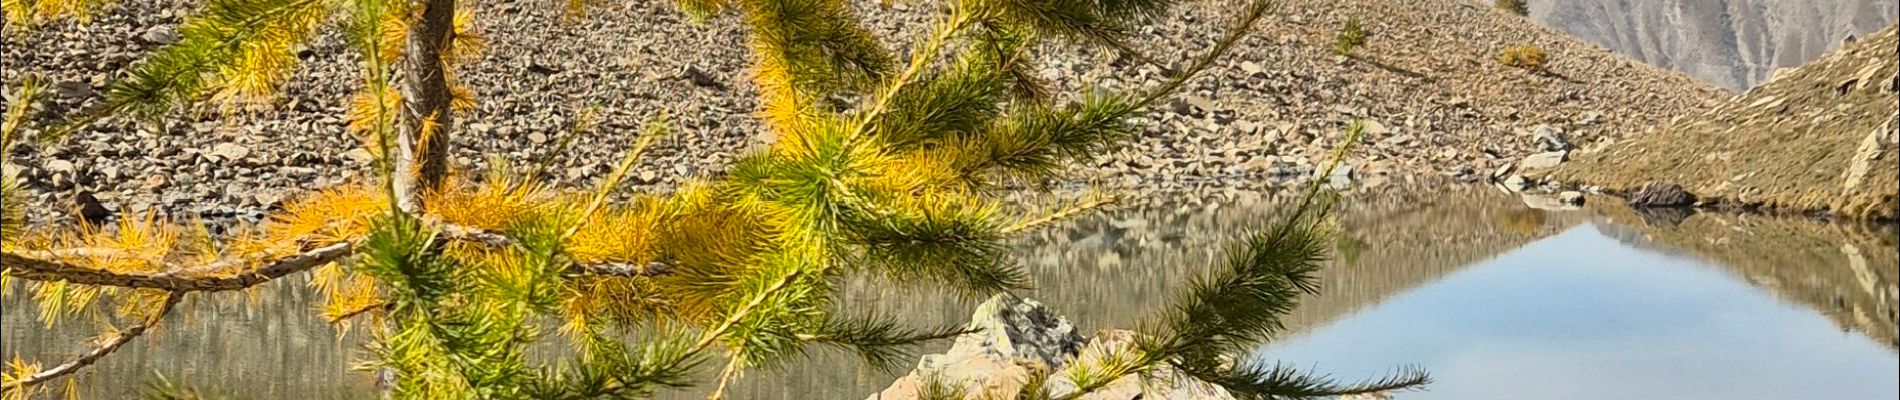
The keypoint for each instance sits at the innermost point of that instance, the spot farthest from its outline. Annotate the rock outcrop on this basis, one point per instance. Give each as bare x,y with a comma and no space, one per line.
1013,338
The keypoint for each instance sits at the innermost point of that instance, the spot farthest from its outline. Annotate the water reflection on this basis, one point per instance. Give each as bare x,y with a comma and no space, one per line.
1407,263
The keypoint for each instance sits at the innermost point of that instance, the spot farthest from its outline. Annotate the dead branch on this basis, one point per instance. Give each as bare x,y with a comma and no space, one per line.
48,266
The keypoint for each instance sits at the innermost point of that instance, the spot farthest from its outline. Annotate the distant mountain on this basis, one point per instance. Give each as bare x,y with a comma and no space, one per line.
1735,44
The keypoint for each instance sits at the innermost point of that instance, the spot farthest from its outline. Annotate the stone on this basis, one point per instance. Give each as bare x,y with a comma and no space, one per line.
1252,69
58,166
1551,138
1861,162
1503,171
160,35
153,182
1246,127
1010,335
1571,197
73,90
1658,194
90,210
537,138
1589,118
1373,128
268,198
1341,177
360,156
1546,202
700,78
1516,183
1543,160
230,151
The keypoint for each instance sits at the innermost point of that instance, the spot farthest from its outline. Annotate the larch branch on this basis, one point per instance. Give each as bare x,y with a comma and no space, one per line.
104,349
49,266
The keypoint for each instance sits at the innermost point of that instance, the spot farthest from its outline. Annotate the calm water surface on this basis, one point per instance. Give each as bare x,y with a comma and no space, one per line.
1496,299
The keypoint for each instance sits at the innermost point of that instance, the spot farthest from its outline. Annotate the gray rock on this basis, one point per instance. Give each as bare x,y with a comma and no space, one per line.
73,90
1180,107
1550,138
1589,118
160,35
1341,177
1503,171
700,78
1011,334
1543,160
1658,194
230,151
58,166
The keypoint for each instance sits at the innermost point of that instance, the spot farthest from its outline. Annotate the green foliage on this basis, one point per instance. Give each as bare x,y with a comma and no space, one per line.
1515,7
1351,36
163,388
1525,56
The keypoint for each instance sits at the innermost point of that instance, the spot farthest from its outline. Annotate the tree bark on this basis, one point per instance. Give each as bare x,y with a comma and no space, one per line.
422,154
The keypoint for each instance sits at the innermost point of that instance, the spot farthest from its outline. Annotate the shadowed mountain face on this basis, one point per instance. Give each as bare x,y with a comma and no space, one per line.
1735,44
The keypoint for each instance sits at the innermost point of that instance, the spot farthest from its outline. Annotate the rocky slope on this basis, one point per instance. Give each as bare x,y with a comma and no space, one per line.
1735,44
1820,139
1444,108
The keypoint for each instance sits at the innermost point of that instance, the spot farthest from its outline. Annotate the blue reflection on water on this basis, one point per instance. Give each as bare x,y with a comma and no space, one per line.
1582,316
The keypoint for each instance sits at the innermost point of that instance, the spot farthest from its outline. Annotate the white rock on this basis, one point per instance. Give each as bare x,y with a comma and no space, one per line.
1543,160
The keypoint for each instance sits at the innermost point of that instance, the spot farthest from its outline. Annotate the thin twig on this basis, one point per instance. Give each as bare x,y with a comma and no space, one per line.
1059,215
107,348
725,378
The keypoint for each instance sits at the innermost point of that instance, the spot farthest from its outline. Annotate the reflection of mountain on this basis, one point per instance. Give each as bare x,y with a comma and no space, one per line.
1105,270
1846,272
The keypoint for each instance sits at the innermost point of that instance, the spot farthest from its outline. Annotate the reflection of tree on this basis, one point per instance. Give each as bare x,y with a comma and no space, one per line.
1522,220
1347,248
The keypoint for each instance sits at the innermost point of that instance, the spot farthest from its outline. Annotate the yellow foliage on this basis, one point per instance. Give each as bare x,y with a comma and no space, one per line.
461,98
369,119
468,44
17,370
328,216
620,235
27,13
1524,56
262,64
500,200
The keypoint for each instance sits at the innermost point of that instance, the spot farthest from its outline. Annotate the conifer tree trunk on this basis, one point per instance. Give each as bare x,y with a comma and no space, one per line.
422,157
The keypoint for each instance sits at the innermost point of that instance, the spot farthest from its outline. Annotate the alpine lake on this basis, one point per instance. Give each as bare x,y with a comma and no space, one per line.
1496,298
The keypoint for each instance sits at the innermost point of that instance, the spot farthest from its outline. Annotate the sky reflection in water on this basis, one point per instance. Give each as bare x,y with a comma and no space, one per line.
1581,316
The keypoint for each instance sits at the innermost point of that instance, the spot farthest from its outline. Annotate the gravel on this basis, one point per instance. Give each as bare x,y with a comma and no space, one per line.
1445,111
